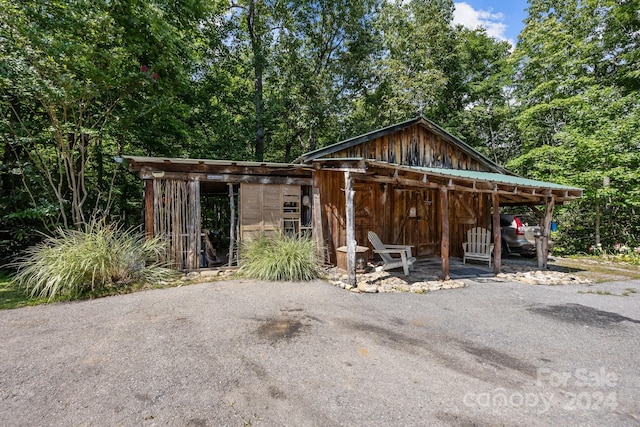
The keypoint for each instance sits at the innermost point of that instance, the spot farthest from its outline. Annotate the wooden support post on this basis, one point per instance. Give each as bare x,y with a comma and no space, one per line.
497,233
194,220
148,208
232,227
351,229
444,239
542,242
316,217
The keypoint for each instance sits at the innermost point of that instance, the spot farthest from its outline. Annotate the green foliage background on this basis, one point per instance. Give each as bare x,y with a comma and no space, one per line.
82,81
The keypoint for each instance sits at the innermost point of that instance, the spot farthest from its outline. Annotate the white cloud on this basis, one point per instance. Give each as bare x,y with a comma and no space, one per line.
465,15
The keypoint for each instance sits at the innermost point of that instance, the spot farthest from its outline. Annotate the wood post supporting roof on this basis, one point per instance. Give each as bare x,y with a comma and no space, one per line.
444,242
350,224
497,237
316,220
542,242
232,227
148,208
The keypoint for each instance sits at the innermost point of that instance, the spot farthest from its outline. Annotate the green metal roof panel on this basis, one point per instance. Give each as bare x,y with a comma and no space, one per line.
493,177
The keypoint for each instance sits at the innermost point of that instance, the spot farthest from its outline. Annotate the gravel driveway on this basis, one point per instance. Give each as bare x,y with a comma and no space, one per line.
242,353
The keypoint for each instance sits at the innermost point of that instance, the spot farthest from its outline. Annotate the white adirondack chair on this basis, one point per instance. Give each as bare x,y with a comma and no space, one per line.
478,245
385,251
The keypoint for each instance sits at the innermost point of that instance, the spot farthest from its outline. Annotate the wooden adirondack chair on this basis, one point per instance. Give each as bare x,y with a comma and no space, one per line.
385,251
478,245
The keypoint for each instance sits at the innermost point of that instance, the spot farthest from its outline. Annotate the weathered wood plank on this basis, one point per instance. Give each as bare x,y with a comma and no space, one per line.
226,178
148,208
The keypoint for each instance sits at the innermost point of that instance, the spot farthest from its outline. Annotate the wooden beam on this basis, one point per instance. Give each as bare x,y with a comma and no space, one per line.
228,177
401,181
497,234
351,229
148,208
345,169
521,196
444,238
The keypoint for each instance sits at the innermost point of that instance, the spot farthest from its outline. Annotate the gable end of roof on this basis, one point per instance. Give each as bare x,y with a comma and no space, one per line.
420,120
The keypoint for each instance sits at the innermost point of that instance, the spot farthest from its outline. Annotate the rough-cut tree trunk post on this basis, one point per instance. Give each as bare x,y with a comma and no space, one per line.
542,242
351,229
316,215
597,224
444,239
232,227
148,208
497,237
195,245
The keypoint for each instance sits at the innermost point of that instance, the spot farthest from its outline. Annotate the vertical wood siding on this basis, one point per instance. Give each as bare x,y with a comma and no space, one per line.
385,208
176,208
414,146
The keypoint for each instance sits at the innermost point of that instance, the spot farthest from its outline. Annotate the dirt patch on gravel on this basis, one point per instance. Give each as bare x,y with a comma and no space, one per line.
597,270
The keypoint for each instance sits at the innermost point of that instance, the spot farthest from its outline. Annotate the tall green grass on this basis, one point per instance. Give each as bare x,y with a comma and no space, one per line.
75,262
282,257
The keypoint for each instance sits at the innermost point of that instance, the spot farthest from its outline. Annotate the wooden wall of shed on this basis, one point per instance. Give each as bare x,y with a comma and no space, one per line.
330,186
387,210
416,220
467,210
413,146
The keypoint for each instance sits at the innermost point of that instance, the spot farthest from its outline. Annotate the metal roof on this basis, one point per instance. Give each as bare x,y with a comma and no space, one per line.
470,175
494,177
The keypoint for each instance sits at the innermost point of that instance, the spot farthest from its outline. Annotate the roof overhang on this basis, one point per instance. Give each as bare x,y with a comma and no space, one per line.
215,170
513,190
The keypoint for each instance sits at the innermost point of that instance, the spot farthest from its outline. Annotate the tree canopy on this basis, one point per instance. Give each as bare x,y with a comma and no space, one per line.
82,81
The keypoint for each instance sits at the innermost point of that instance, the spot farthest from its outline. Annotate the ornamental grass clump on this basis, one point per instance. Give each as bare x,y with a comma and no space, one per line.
282,257
72,263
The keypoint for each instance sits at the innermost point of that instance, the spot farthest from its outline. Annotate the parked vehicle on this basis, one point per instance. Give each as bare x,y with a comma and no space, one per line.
518,234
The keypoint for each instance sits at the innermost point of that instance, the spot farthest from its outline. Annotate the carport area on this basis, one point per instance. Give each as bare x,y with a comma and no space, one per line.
429,209
309,354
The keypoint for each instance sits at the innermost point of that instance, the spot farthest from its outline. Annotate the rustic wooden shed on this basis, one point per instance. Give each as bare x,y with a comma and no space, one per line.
412,183
256,198
415,184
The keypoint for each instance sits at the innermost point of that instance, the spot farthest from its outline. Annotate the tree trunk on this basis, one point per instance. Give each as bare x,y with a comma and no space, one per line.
259,113
258,69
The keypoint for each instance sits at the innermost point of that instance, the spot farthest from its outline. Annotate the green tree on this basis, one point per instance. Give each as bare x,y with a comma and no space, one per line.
578,111
325,54
484,93
80,80
411,75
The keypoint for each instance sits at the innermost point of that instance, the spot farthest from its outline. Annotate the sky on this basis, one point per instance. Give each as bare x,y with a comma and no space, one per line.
501,18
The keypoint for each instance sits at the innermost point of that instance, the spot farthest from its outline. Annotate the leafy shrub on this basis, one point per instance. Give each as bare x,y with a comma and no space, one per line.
282,257
74,262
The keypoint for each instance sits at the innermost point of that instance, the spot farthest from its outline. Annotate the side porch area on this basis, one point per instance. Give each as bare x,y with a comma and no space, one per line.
429,209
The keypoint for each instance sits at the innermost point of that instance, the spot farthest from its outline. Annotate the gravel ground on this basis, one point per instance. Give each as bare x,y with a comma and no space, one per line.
250,353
